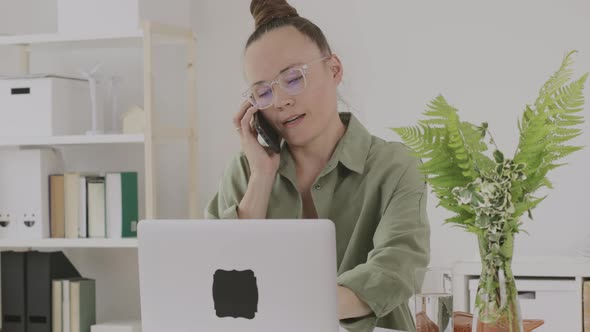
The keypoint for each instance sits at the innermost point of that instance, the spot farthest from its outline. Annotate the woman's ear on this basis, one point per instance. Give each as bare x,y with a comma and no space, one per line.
336,68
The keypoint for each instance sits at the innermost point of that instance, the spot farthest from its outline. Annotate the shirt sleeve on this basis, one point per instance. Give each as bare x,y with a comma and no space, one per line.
401,244
232,187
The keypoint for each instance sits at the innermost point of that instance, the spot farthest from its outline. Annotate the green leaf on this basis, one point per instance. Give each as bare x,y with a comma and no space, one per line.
497,190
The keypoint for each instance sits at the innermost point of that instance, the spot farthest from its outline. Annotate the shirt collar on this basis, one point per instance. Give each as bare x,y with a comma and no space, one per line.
351,151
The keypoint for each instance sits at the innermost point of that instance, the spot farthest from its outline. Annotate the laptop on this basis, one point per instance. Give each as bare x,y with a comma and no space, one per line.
238,275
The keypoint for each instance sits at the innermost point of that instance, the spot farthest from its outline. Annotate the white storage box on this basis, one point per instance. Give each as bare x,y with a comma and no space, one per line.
118,16
44,106
24,194
553,300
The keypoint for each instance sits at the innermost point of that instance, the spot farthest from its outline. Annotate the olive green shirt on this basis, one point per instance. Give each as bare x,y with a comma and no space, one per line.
373,192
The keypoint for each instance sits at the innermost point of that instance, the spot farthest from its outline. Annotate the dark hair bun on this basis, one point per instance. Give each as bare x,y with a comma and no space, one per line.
265,11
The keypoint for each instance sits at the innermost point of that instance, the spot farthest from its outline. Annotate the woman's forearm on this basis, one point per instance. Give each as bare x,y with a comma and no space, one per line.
350,305
254,204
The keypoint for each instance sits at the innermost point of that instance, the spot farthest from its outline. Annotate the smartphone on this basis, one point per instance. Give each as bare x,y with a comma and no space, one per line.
268,134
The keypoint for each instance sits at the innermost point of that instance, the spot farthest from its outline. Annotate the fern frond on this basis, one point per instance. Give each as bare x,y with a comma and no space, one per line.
555,82
527,205
464,140
545,130
451,150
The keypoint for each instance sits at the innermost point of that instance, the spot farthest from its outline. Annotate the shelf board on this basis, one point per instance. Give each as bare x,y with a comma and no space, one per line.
68,243
102,40
71,140
547,266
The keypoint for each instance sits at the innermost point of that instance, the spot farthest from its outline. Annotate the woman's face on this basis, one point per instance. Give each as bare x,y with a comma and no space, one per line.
315,106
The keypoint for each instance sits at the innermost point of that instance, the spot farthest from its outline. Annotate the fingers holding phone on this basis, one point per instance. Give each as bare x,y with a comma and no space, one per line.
261,159
267,134
243,115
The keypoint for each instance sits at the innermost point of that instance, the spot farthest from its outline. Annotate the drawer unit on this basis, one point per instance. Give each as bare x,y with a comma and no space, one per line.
553,300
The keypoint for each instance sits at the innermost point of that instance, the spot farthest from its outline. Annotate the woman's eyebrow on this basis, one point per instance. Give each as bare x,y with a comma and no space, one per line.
282,71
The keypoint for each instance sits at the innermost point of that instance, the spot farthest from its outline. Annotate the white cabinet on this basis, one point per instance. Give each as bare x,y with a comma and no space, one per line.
553,300
550,288
113,262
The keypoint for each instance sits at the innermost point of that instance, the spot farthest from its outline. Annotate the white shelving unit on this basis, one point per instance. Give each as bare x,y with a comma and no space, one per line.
69,41
67,244
71,140
150,34
113,262
56,38
545,271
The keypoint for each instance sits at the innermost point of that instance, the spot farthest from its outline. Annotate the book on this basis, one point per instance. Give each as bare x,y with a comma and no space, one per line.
82,209
56,206
74,304
56,306
72,204
122,204
65,305
586,303
82,305
96,207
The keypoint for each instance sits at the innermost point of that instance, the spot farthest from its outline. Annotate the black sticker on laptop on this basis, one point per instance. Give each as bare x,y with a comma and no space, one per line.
235,294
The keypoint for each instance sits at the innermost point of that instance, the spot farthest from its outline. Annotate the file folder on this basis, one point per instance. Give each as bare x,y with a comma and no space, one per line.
13,291
42,268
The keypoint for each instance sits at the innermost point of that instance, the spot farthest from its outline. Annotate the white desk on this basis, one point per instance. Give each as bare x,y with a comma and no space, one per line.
377,329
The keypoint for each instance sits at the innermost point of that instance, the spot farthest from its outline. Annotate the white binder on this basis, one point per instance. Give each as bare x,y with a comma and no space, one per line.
24,193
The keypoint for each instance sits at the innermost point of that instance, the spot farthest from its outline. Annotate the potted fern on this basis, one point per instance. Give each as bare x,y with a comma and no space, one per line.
490,194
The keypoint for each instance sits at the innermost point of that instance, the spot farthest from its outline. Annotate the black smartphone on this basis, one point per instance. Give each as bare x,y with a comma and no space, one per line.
267,132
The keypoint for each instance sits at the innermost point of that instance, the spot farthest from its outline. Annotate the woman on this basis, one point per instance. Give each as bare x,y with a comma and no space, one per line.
329,167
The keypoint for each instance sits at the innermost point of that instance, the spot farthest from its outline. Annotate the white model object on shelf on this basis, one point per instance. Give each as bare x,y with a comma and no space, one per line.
91,76
584,246
134,121
113,97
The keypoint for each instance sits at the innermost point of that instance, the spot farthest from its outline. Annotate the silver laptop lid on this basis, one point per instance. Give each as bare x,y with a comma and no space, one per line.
238,275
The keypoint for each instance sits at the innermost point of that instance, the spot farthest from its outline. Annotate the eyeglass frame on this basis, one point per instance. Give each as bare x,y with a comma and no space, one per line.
303,68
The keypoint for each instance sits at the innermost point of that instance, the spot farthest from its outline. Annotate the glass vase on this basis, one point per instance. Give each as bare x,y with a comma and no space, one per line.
496,304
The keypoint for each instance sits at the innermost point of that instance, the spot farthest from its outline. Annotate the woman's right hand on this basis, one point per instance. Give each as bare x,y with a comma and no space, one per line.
262,161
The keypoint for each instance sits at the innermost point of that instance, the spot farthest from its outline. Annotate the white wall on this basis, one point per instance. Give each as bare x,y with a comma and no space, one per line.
488,59
20,17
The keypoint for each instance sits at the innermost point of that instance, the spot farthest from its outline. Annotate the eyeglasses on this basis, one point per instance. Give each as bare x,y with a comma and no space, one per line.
292,81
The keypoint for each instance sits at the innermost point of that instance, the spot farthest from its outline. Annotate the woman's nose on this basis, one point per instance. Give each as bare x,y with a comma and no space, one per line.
281,99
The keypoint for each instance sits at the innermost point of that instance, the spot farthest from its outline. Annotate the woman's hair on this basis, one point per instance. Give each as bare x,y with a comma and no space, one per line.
272,14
